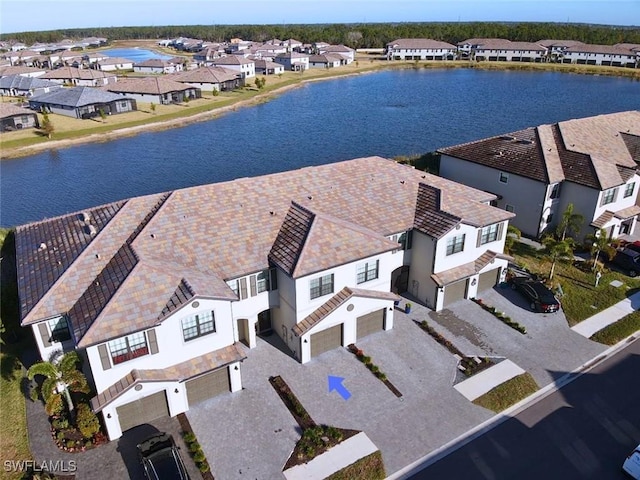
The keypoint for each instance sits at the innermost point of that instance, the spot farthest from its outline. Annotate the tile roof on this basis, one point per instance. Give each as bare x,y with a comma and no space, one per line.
598,152
10,110
508,45
603,49
623,214
324,58
177,373
355,204
19,70
558,43
149,85
20,82
603,219
334,302
68,73
422,43
460,272
430,218
76,97
206,75
231,60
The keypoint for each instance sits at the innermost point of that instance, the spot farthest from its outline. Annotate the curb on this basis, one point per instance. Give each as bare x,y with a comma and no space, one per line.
479,430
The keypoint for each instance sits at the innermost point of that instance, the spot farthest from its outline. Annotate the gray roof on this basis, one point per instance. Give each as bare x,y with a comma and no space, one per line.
19,82
10,110
76,96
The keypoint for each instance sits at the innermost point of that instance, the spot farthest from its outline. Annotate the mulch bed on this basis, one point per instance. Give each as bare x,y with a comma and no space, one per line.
185,425
374,369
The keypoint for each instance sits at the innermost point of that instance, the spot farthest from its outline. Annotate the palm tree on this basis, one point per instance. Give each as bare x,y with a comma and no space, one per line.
557,250
61,378
513,235
571,222
600,243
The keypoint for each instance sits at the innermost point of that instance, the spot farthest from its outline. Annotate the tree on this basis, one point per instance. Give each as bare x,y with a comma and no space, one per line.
153,108
103,115
600,243
61,378
513,235
47,126
557,250
571,222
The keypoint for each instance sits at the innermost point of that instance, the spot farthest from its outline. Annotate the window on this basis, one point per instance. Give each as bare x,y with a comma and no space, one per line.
489,234
198,325
367,271
321,286
59,329
262,281
233,285
550,218
455,244
406,240
609,196
555,191
628,189
504,177
129,347
509,208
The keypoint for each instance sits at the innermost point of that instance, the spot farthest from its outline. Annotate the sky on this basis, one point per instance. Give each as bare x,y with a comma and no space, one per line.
34,15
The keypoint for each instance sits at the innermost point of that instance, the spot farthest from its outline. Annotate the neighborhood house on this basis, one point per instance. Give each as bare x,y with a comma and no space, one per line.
161,304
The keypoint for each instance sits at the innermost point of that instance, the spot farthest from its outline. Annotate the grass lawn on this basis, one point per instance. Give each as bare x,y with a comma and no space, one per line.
14,443
615,332
367,468
508,393
581,298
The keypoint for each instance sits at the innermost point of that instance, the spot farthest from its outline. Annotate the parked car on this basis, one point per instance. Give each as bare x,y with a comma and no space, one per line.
628,260
635,246
160,458
631,465
540,298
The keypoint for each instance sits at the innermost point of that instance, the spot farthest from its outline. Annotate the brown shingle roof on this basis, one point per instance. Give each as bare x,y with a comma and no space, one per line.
10,110
206,75
451,275
333,303
430,218
69,73
177,373
422,43
151,85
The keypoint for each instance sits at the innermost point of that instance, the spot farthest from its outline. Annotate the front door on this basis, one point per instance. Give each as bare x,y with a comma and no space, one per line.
264,322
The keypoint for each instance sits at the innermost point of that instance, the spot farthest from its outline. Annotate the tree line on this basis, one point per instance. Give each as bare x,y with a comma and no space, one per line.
357,35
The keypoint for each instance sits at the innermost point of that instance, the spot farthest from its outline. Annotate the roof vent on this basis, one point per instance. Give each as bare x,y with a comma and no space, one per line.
85,216
272,212
42,246
402,182
310,197
97,255
153,235
524,141
90,229
507,137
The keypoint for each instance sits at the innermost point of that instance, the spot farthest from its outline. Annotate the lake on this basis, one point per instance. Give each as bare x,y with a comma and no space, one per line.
389,113
135,54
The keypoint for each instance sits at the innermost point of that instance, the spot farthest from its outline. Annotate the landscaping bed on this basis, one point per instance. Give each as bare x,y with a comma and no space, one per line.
508,393
370,467
316,439
619,330
469,366
373,368
195,450
500,316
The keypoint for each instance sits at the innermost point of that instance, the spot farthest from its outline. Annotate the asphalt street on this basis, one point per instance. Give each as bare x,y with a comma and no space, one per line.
583,431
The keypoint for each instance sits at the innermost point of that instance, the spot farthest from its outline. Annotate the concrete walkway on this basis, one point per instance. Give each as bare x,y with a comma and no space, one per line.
488,379
608,316
334,459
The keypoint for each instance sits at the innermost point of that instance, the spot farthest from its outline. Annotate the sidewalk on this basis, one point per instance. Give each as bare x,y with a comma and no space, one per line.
608,316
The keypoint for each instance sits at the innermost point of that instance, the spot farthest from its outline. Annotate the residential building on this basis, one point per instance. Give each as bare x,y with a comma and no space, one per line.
158,90
607,55
8,70
13,118
267,67
17,85
557,48
420,49
157,293
82,102
113,64
157,65
209,79
83,77
348,54
293,61
537,172
506,51
245,66
325,61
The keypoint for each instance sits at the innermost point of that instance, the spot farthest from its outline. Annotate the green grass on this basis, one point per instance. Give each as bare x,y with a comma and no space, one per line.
615,332
370,467
581,298
508,393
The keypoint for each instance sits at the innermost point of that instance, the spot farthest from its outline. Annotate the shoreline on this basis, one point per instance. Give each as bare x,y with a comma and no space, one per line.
117,133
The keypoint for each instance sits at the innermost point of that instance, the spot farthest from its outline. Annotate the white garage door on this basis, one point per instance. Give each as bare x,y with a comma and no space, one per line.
143,411
326,340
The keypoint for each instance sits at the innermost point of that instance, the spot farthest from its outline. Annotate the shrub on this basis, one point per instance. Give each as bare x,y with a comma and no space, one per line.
189,437
87,421
199,456
366,360
195,447
204,467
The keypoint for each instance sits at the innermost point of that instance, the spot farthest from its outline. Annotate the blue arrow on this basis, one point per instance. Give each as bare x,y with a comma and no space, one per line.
335,383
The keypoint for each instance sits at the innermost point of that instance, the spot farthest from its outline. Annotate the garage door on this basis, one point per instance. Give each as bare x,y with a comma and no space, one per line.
143,411
454,292
326,340
488,279
370,323
207,386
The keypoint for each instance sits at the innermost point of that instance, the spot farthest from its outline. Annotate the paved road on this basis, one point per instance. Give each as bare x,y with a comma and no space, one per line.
585,430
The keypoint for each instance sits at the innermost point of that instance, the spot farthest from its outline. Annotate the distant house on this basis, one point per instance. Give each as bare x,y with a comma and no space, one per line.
325,61
157,65
606,55
499,50
158,90
82,102
83,77
267,67
348,54
17,85
210,78
557,48
420,49
114,64
13,117
293,61
246,67
206,55
7,70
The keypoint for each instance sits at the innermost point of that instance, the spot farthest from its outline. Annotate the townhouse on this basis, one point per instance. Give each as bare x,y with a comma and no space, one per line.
163,294
293,61
536,172
607,55
420,49
507,51
244,66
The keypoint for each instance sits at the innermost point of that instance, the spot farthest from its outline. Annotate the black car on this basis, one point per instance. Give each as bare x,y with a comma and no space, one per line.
160,458
540,298
628,260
